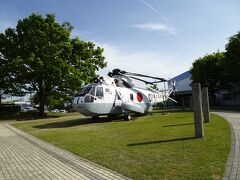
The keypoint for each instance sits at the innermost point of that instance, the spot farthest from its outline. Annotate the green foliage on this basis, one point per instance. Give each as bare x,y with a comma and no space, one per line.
39,56
55,103
35,99
154,86
208,71
220,70
232,63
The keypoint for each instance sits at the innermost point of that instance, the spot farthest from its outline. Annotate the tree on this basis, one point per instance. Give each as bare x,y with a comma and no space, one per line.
1,94
208,71
53,102
154,86
232,62
39,56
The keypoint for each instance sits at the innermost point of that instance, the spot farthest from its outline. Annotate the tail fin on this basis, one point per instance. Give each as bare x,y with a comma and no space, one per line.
166,93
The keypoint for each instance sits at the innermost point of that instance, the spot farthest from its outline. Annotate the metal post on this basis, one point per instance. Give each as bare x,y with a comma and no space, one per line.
191,103
183,103
198,115
164,101
205,104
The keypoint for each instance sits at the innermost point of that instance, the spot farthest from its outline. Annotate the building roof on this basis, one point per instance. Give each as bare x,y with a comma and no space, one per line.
182,76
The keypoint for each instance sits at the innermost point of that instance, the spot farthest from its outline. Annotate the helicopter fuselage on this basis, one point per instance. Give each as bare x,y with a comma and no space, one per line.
114,96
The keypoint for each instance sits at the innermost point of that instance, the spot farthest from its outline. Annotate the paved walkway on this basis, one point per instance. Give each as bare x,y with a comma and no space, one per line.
25,157
233,165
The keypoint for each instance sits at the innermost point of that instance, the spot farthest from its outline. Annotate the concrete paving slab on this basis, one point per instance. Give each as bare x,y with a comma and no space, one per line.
23,156
233,165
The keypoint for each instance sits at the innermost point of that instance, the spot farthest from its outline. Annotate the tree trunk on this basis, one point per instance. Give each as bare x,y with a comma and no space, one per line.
1,93
42,99
41,105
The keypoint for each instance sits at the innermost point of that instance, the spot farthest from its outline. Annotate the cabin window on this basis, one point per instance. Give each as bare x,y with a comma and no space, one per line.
131,97
107,90
99,92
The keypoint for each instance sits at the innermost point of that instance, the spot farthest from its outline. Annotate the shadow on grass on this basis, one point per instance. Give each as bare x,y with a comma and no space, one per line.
165,112
173,125
75,122
161,141
23,116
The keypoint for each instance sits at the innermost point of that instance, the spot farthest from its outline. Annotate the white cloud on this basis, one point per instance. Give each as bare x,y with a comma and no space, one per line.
149,63
153,9
155,27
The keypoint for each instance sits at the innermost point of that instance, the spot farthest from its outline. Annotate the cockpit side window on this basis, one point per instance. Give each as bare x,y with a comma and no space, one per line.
84,91
99,92
92,91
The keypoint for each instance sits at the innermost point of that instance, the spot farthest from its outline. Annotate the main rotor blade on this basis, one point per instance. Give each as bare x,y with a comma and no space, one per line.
142,75
140,80
120,72
147,82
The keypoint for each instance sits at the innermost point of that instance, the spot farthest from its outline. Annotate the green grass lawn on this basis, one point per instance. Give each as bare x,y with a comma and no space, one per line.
150,147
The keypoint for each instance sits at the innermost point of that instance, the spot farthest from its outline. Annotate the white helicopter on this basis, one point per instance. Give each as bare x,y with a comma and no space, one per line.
117,95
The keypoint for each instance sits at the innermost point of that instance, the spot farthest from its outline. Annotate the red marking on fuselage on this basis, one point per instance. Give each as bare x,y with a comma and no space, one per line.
139,97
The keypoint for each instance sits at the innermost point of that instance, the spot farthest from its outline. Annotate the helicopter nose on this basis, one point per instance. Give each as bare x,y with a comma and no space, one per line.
79,105
78,100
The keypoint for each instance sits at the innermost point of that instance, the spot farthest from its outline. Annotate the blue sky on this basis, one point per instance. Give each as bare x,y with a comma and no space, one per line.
155,37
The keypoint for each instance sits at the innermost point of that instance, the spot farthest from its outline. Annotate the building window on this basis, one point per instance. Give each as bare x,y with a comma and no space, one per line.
229,97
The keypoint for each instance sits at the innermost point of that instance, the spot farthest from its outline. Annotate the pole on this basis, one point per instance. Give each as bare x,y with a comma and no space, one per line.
205,104
164,96
198,115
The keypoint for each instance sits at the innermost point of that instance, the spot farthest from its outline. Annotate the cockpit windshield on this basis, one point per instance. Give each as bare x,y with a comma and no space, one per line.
84,91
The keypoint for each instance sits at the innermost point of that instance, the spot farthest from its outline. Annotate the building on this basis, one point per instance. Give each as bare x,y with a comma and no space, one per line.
183,93
24,105
183,89
229,97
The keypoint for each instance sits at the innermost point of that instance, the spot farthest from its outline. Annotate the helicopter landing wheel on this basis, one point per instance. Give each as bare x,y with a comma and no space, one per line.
127,117
112,116
96,117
